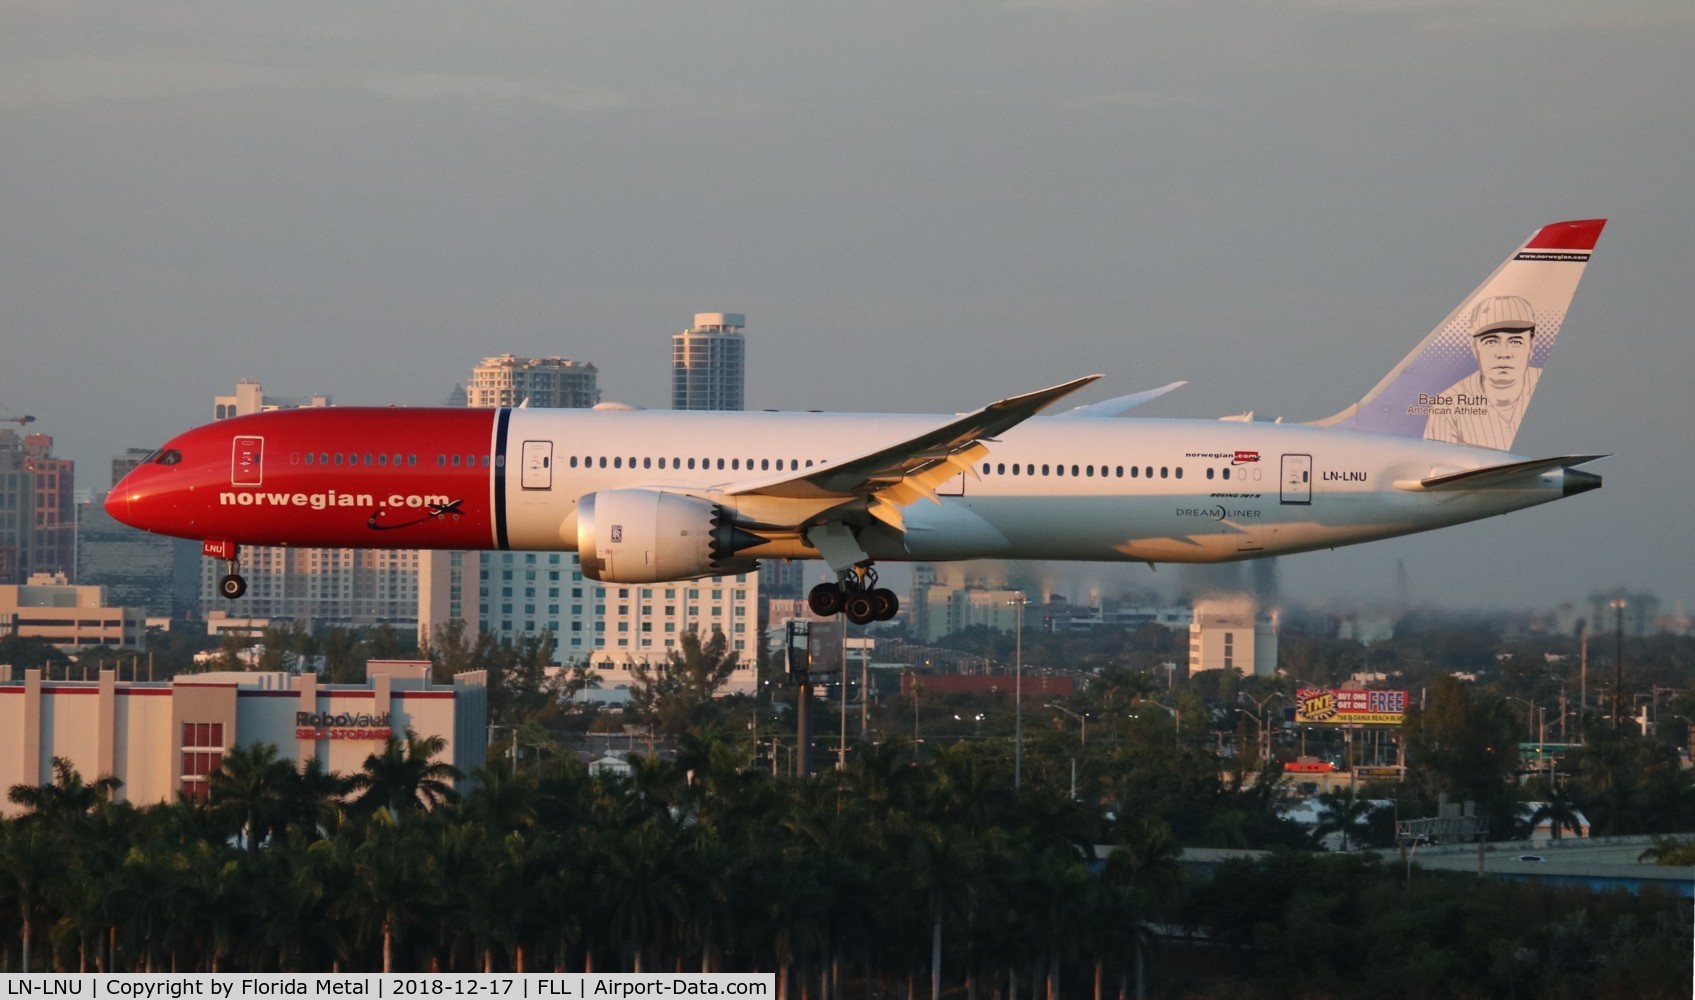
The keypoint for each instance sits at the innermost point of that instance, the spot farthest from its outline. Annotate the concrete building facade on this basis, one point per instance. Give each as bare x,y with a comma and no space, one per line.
538,382
166,738
70,617
1233,633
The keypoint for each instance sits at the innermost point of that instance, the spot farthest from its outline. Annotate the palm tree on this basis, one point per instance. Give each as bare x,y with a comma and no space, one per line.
646,891
1556,806
942,873
393,881
29,860
67,798
1343,814
403,777
250,790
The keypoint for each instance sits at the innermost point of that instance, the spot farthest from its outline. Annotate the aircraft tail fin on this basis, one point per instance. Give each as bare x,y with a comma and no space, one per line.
1470,380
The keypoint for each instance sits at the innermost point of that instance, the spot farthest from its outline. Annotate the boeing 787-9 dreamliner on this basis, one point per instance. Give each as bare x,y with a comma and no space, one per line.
646,496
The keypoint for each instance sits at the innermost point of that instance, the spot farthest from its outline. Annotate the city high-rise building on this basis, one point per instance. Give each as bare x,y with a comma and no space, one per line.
345,587
537,382
17,502
53,542
709,363
37,512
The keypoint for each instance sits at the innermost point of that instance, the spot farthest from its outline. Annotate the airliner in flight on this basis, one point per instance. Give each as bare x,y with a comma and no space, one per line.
648,496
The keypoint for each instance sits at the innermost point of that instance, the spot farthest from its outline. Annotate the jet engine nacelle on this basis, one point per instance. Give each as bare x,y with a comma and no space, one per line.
650,536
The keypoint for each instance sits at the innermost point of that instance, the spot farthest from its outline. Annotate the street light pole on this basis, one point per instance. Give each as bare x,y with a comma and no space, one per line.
1018,692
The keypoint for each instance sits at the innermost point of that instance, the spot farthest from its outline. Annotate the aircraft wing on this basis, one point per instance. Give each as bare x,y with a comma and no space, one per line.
893,476
1505,476
1118,404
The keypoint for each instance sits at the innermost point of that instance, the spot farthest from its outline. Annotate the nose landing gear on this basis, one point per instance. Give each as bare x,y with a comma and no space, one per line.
856,595
232,585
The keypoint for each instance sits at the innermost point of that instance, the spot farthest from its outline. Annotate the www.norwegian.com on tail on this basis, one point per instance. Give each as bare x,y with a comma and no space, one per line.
1471,380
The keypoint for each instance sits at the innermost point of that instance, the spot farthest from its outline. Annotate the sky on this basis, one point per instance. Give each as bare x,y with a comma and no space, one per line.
920,206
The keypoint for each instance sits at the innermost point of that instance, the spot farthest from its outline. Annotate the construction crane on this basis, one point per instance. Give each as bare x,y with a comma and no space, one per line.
20,421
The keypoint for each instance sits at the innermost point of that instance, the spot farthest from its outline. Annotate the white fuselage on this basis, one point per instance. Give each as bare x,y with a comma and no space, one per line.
1201,490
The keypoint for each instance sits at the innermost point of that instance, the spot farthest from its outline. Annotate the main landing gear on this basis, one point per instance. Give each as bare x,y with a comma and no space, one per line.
856,595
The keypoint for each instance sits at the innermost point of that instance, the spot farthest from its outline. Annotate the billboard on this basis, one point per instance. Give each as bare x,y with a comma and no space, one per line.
1315,707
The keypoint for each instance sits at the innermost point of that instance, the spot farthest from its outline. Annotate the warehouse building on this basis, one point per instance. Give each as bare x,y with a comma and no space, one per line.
165,738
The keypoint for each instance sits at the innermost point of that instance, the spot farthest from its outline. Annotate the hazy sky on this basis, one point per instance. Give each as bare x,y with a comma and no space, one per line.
919,206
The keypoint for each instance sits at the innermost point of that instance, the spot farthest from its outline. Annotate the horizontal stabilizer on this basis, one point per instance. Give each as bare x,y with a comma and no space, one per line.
1118,404
1495,477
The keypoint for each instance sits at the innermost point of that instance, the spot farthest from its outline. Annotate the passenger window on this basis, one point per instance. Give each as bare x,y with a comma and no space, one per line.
309,458
764,465
603,461
647,463
1179,472
1162,471
382,459
441,461
691,463
617,463
720,463
1209,473
338,458
1090,470
1059,470
1015,468
1000,469
367,458
411,460
1120,472
1134,472
1044,470
736,463
1074,470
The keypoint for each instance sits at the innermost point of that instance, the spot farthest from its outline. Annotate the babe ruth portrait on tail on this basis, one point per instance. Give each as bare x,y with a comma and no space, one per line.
1487,405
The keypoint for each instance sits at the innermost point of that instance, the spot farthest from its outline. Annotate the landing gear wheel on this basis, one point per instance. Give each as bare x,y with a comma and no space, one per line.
232,586
888,605
860,608
825,600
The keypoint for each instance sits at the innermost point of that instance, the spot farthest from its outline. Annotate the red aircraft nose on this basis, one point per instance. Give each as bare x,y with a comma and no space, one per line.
117,501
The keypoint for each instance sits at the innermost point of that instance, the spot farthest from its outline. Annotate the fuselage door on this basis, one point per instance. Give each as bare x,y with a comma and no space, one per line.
538,465
1297,479
247,461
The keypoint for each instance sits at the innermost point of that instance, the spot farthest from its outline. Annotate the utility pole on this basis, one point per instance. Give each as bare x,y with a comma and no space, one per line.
1018,692
1618,656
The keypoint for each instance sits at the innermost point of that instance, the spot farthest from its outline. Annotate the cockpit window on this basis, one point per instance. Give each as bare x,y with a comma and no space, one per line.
170,456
